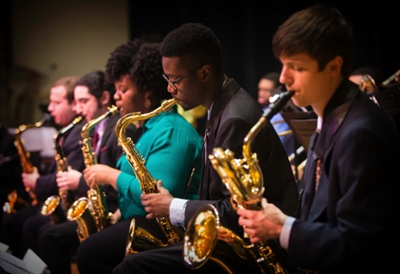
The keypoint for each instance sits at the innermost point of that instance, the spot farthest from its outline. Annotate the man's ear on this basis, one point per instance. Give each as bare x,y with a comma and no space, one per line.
335,65
105,98
205,72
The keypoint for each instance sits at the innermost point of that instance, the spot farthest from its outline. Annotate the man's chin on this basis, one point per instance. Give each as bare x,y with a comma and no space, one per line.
184,106
262,101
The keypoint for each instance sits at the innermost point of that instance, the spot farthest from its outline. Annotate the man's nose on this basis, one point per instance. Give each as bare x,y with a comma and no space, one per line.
171,88
78,108
116,96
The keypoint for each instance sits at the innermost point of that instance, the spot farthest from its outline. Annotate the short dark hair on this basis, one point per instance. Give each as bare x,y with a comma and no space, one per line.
142,61
96,83
371,71
272,76
68,83
196,44
320,31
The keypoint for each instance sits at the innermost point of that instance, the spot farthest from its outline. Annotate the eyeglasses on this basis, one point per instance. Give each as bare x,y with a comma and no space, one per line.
172,83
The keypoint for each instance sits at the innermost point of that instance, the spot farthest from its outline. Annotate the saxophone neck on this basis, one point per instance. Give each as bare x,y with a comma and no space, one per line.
66,129
134,117
23,127
60,158
122,124
248,140
89,126
88,154
272,109
23,154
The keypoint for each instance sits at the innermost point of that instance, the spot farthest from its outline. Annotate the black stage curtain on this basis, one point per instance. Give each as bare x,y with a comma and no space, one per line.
245,29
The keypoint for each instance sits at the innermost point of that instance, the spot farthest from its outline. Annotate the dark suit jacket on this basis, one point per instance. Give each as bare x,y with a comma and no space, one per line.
109,153
46,185
347,226
234,112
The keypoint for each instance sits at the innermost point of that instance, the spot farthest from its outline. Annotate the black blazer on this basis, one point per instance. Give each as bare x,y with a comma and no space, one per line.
347,226
46,185
234,112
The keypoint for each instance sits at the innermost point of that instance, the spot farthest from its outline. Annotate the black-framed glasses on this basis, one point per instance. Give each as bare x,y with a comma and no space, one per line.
172,83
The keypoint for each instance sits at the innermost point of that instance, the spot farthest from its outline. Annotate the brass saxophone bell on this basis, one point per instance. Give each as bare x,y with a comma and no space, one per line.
52,207
80,212
244,180
201,236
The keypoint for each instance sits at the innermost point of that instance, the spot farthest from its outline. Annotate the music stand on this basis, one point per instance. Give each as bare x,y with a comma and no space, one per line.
302,124
389,101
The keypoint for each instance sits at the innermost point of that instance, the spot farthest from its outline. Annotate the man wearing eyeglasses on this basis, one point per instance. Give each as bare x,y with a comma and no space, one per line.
192,64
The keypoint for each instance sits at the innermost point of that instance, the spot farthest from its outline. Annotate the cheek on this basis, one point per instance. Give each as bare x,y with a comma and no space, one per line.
136,102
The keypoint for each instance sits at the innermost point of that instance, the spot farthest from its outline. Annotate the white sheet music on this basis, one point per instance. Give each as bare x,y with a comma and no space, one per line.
31,264
11,264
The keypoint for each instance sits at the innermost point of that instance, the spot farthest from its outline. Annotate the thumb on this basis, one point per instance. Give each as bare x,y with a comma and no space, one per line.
159,185
69,168
264,202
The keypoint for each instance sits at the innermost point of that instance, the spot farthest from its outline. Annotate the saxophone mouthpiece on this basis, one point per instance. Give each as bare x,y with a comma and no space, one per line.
47,118
279,103
112,110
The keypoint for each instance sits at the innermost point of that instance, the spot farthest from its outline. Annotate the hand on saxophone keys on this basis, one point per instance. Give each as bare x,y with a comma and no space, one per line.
157,204
264,224
116,216
68,180
29,179
101,174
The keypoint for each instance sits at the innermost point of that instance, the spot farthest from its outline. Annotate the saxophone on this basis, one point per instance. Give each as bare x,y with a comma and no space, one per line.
91,213
26,163
56,205
147,183
243,178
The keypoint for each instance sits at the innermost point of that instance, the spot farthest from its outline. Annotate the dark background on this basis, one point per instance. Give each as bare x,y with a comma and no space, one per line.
245,29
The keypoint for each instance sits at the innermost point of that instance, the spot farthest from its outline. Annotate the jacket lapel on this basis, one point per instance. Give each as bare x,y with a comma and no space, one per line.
335,113
221,99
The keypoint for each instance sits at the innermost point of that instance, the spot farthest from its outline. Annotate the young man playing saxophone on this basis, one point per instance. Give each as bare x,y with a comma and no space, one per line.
169,145
351,180
93,97
192,64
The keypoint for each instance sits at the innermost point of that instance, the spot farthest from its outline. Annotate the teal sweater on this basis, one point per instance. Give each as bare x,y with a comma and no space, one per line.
170,147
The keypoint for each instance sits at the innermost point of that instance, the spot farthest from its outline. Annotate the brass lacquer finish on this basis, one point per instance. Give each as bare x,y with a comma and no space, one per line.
26,163
81,213
52,208
59,214
243,178
147,183
91,213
